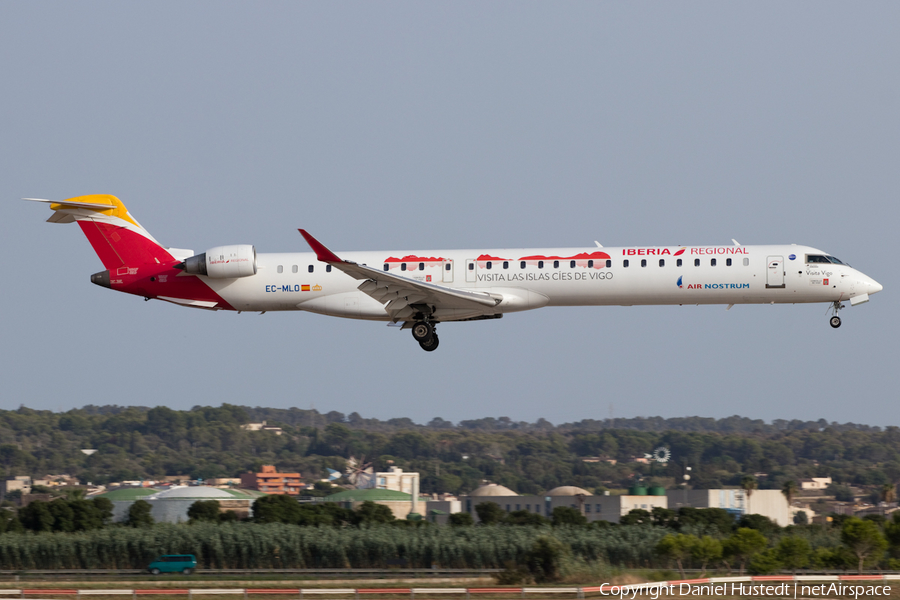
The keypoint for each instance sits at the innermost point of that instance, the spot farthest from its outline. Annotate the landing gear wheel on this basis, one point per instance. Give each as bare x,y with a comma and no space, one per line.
835,322
430,345
423,331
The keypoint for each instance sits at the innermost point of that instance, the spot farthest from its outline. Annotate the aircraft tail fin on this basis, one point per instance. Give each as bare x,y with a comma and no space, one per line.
117,238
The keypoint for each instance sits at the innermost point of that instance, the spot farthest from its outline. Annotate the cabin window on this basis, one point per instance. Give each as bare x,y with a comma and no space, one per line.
471,266
402,266
447,267
662,262
572,264
555,264
712,262
696,262
421,266
522,264
487,265
311,268
727,262
608,264
540,264
294,269
280,269
328,268
590,264
505,264
746,262
386,266
643,262
678,263
625,263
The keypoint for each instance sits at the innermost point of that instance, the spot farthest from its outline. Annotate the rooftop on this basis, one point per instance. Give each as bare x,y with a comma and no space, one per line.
373,495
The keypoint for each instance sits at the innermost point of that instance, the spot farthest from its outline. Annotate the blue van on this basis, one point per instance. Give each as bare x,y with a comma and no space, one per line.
173,563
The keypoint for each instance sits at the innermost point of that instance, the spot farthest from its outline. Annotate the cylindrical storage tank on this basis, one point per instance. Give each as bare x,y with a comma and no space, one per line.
657,490
638,490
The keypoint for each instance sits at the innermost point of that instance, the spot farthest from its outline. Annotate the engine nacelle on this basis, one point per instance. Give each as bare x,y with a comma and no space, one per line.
223,262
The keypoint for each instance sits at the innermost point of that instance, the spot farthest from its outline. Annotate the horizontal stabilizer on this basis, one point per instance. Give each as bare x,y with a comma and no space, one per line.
99,205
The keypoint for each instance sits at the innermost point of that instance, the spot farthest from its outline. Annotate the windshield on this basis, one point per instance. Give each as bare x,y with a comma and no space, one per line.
824,259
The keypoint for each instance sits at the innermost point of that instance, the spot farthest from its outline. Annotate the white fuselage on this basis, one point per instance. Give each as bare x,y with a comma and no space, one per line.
530,278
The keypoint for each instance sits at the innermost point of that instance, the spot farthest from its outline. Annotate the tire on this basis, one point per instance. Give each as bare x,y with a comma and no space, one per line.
422,331
835,322
187,571
154,571
431,345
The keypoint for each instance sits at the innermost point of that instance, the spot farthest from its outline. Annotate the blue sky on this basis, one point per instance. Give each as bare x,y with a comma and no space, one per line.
452,125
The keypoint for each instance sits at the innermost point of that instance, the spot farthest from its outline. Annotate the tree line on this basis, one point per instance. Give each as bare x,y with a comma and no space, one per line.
208,442
76,533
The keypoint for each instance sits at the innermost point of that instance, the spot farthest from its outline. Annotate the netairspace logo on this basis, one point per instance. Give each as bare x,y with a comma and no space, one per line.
782,590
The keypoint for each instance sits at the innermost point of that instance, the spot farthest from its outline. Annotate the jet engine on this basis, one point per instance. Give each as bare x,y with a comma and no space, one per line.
223,262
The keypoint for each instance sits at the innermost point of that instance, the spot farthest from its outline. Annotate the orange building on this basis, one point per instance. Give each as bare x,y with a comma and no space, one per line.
272,482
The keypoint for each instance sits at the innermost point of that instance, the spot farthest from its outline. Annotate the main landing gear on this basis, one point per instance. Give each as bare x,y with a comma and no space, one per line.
424,333
835,320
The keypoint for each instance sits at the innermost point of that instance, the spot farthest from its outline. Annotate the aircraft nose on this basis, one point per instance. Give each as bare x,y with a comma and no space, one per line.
870,285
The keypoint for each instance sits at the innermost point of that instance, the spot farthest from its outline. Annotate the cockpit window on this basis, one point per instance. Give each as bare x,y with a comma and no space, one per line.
824,259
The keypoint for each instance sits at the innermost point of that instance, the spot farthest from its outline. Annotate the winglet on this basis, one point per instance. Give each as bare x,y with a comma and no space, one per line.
322,253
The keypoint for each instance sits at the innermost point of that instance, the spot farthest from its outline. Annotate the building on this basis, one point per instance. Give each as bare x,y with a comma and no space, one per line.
21,483
395,479
123,497
262,427
815,483
171,506
402,505
270,481
769,503
594,508
440,506
224,481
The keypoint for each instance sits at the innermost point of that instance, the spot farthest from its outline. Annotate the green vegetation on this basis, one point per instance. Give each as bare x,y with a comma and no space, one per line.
370,537
208,442
205,442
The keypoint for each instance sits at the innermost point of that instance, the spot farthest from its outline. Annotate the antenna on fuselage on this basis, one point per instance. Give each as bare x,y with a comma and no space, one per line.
598,244
735,242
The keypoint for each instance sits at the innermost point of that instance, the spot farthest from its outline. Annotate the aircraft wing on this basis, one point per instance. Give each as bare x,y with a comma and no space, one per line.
400,294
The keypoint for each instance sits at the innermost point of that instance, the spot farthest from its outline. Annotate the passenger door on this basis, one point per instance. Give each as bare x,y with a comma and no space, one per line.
775,272
448,270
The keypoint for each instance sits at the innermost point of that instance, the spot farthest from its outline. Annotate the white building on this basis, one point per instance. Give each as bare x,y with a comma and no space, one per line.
395,479
815,483
594,508
769,503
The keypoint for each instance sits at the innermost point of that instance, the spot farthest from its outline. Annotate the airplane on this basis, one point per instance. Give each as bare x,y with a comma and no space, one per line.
419,290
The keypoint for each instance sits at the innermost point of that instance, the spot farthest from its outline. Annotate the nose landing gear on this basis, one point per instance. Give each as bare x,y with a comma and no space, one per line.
835,320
